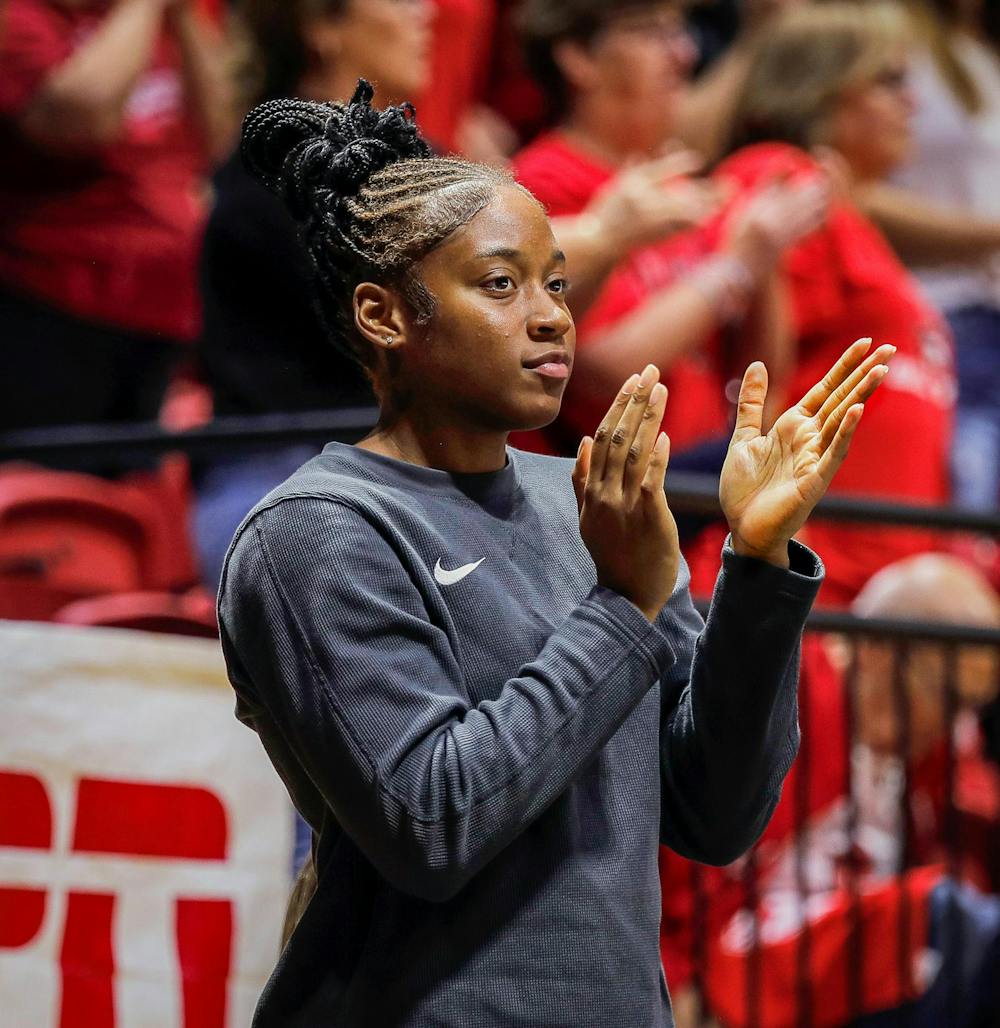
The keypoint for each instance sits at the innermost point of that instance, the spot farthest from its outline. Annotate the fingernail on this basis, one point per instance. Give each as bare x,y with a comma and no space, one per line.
630,384
661,443
659,392
649,375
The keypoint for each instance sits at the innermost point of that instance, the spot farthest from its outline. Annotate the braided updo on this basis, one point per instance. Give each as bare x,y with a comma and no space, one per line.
369,197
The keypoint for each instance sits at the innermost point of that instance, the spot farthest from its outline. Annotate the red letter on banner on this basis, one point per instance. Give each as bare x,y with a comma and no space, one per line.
145,819
88,963
25,822
204,948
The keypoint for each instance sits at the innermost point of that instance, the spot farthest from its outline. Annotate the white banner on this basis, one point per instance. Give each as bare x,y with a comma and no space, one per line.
145,839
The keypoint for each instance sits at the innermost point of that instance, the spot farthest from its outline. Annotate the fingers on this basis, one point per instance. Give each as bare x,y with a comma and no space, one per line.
750,407
656,468
857,388
813,401
863,392
581,469
602,437
673,165
623,437
638,454
881,356
835,454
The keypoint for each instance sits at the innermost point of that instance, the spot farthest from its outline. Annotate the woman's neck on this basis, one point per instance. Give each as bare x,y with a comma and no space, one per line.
439,446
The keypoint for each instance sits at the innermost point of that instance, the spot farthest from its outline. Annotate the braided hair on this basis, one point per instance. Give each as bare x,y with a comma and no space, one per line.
369,197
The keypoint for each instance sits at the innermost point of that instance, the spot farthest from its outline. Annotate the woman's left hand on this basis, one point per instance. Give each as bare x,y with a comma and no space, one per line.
770,483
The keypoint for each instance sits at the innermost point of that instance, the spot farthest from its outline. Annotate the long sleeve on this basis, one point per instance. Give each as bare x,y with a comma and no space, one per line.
329,641
729,730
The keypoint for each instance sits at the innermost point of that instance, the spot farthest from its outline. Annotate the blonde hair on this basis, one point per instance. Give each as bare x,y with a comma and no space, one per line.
937,31
805,61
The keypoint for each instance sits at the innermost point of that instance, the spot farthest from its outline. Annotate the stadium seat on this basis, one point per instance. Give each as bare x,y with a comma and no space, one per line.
190,613
65,536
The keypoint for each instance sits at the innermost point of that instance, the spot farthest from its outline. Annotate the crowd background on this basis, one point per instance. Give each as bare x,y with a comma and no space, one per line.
730,181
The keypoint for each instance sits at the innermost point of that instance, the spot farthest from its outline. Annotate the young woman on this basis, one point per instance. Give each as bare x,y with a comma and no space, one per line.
478,670
834,75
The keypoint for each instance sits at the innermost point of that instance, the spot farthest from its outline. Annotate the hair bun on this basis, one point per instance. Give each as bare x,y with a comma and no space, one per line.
313,154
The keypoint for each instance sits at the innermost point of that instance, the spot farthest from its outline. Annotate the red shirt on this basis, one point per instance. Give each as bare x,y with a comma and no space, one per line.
111,235
565,179
845,283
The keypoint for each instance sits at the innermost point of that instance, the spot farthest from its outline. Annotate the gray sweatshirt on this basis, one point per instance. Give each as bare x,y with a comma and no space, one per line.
489,746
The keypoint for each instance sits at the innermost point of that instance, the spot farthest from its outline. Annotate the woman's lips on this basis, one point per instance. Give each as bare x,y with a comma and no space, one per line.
552,369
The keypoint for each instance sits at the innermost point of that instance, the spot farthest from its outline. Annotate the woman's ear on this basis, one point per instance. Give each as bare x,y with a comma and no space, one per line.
380,316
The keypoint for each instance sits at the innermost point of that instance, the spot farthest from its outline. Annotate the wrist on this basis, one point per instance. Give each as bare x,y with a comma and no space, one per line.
776,554
727,283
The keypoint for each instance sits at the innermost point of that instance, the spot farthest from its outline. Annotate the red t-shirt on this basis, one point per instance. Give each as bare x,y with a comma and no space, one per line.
845,282
565,179
111,235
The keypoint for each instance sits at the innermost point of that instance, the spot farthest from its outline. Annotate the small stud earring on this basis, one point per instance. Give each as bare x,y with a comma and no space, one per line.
388,340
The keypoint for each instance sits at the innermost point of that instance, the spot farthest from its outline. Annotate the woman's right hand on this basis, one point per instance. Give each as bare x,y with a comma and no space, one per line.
624,518
775,218
649,202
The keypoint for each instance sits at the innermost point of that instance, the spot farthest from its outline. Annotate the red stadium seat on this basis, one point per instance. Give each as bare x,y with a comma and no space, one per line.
65,536
187,614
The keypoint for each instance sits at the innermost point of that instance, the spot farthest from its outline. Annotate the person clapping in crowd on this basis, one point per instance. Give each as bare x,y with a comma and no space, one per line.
111,114
613,77
833,76
941,210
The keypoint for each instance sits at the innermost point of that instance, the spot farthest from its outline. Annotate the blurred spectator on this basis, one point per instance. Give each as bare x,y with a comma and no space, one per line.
727,32
862,839
264,348
942,213
613,77
834,75
110,114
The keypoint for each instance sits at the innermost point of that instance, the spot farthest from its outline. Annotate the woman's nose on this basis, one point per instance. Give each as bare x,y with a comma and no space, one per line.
550,321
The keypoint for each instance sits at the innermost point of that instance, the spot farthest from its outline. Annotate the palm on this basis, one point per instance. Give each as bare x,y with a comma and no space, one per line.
770,483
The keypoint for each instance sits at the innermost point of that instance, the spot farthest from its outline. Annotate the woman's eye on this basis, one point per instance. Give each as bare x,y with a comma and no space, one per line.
500,283
558,285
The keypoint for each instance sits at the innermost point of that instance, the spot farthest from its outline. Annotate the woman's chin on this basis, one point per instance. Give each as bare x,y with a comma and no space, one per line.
541,417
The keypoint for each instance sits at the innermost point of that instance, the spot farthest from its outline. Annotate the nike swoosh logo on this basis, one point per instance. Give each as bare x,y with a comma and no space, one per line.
446,577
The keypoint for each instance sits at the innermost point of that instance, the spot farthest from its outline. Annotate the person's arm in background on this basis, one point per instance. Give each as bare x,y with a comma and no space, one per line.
724,289
81,103
708,102
924,233
767,334
207,82
645,203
